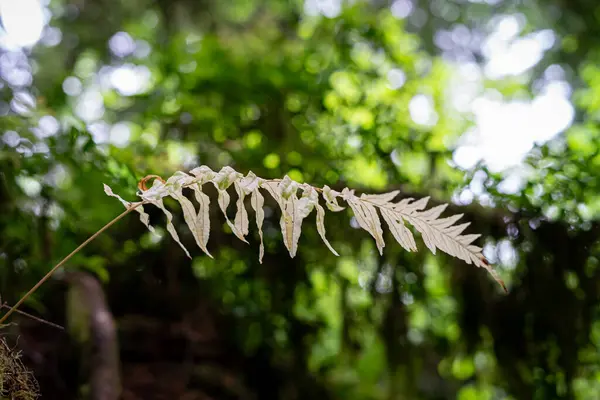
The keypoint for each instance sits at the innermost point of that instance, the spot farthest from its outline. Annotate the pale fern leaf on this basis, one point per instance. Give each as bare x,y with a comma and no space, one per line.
225,177
257,200
309,199
271,187
405,205
437,233
446,222
447,237
286,224
312,199
170,226
287,187
194,221
380,199
466,240
400,232
418,205
245,186
433,213
291,224
291,219
223,200
321,227
250,183
367,217
241,216
454,230
109,192
203,216
197,222
402,204
144,217
474,249
222,180
293,209
330,197
158,191
203,173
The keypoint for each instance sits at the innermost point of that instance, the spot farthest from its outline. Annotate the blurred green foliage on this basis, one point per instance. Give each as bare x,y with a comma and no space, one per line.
142,87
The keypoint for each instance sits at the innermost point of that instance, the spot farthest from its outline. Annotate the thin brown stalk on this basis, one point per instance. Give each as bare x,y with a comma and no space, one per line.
33,317
67,258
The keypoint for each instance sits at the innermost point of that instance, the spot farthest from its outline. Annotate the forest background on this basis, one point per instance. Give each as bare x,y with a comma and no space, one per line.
490,105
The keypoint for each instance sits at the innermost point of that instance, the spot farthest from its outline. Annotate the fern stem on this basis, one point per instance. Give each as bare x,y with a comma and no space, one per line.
67,258
33,317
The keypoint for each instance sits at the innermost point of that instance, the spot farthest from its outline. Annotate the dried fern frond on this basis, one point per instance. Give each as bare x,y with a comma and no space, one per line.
437,233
